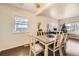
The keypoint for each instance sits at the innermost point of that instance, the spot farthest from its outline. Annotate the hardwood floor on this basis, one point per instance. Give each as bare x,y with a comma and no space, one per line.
21,51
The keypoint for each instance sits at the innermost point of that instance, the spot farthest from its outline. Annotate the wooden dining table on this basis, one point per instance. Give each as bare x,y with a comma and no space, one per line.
46,41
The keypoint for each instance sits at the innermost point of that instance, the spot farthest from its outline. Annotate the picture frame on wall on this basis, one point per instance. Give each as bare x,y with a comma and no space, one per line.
21,24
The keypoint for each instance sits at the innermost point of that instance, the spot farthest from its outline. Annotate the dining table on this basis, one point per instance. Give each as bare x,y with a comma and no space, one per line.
46,41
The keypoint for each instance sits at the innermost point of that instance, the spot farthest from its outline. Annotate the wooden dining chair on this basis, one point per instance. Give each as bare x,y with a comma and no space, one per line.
57,44
35,47
65,40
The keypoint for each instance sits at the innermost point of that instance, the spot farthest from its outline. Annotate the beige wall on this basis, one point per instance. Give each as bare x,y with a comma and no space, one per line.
10,39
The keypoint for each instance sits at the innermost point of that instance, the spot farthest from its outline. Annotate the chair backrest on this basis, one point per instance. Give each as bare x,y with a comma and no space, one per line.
59,39
33,41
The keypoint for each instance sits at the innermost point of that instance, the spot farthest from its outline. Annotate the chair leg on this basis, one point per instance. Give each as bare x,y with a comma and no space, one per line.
54,53
60,51
34,54
30,52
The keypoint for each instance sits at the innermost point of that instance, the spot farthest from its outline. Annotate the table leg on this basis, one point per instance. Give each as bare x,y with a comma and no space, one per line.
46,50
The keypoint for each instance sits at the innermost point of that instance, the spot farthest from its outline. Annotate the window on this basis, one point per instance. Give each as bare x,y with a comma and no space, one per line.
72,26
52,26
69,27
21,24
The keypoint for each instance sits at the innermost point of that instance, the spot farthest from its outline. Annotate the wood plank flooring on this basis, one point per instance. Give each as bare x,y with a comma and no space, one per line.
21,51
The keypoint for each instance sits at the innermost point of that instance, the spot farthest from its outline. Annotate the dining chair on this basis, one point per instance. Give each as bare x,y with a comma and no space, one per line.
57,44
65,40
35,47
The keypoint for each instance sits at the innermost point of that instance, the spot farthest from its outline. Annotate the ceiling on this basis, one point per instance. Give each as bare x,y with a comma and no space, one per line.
61,11
27,6
53,11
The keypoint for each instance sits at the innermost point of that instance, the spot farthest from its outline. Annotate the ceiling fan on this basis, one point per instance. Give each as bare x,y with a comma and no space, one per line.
37,5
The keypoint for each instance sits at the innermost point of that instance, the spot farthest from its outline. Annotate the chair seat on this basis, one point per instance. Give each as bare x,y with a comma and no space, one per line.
38,47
